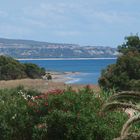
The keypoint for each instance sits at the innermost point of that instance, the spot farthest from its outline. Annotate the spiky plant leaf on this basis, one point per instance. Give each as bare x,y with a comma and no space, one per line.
125,95
128,124
117,105
129,136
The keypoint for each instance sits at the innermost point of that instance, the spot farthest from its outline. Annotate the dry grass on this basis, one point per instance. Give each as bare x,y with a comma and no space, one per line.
37,84
41,85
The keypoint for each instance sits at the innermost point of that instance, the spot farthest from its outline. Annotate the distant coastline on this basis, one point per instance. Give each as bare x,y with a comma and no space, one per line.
63,58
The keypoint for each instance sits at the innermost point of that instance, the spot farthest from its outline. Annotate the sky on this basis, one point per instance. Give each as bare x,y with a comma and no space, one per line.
83,22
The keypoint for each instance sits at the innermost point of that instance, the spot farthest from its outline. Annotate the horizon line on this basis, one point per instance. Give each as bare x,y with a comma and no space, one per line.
64,58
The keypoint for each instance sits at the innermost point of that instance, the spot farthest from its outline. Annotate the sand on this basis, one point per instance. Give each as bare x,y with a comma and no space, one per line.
61,76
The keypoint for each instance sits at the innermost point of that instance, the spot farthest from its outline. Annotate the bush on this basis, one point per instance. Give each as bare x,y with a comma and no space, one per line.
58,114
76,115
13,69
17,120
33,71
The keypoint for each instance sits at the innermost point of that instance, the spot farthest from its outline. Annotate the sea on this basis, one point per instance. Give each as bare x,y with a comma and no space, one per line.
89,69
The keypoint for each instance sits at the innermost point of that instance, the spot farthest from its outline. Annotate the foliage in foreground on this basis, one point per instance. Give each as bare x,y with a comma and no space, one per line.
125,74
129,101
56,115
13,69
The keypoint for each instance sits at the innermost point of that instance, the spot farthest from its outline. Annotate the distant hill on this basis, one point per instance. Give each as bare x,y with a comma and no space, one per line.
35,49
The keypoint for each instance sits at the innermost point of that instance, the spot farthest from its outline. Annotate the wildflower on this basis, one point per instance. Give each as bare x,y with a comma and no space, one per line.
28,96
13,117
37,97
33,98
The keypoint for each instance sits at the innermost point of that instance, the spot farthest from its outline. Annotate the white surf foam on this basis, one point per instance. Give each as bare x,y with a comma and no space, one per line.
73,80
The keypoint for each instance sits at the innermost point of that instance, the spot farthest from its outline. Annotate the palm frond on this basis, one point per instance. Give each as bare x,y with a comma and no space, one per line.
129,136
116,105
125,95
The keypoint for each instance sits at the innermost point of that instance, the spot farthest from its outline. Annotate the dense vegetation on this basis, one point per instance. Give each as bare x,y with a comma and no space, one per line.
125,74
56,115
13,69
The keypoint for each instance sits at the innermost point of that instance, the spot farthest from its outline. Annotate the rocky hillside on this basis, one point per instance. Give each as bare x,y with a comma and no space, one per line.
36,49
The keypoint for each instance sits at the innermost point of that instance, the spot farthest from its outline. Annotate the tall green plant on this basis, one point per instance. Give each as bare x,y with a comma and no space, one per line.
125,100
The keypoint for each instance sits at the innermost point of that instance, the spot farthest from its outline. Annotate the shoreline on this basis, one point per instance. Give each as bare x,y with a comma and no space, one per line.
65,58
65,77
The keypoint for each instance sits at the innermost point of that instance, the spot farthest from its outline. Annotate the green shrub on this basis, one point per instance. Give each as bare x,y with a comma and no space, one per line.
13,69
76,115
16,119
56,115
33,71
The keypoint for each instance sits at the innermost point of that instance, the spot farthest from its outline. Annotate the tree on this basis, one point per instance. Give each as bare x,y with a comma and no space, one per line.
125,74
132,44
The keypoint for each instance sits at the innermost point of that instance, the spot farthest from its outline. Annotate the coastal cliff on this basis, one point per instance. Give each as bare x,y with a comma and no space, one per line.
22,49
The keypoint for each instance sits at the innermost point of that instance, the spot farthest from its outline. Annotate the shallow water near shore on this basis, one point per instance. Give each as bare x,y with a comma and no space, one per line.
89,70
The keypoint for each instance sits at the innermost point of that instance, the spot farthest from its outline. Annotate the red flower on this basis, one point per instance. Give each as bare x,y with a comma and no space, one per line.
46,104
38,97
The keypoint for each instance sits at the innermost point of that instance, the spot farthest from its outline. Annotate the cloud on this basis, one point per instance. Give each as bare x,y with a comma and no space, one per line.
69,19
45,14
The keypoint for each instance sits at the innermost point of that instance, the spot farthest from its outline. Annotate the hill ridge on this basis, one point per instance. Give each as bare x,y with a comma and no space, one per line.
20,49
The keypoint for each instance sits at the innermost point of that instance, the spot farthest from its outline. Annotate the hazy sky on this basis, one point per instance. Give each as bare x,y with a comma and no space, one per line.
86,22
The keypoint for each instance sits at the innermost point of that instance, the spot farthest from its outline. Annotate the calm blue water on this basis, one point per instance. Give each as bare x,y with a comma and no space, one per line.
90,70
